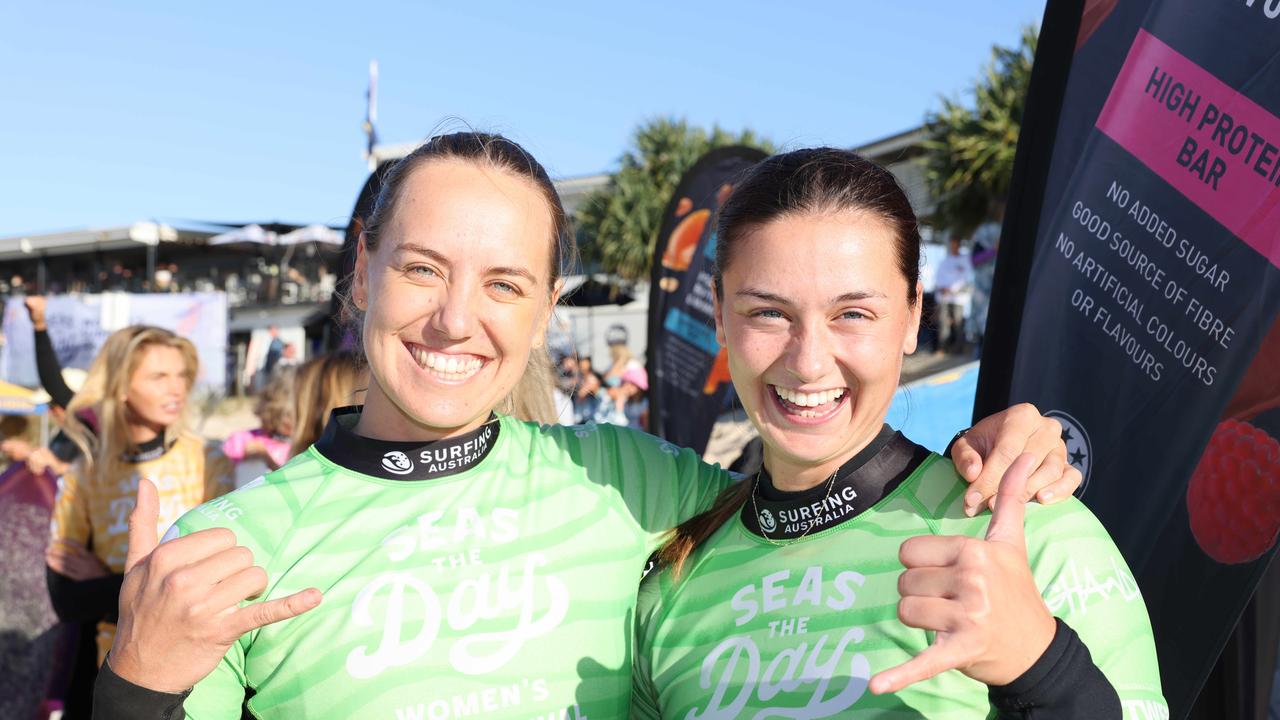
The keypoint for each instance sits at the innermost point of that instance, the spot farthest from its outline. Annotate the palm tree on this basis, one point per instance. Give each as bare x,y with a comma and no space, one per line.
970,155
618,225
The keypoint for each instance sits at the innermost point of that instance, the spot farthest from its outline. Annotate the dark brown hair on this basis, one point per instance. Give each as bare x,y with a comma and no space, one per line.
802,182
531,399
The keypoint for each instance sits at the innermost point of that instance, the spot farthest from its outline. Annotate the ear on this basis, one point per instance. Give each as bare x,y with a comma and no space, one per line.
360,277
540,336
719,313
913,324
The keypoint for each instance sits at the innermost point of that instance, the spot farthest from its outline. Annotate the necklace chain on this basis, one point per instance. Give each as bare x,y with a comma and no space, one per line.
755,490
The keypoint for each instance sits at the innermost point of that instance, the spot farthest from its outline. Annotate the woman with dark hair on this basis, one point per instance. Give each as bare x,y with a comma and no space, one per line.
471,562
761,610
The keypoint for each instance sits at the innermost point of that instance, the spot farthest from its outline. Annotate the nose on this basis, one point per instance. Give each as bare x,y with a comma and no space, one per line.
455,319
808,357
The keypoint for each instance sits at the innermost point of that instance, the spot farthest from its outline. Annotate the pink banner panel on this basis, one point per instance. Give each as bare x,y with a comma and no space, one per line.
1214,145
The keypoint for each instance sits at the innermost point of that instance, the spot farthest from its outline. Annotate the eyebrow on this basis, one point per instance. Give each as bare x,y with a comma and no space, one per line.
859,295
496,270
780,300
425,251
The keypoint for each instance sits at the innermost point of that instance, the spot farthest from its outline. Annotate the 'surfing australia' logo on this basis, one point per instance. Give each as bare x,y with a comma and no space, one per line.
766,521
397,462
1079,449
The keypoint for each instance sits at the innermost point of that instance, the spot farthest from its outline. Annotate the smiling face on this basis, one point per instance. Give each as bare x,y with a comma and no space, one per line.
816,319
456,295
158,387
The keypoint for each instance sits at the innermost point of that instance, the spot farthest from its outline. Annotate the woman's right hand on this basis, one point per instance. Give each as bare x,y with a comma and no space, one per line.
979,597
42,459
179,605
35,308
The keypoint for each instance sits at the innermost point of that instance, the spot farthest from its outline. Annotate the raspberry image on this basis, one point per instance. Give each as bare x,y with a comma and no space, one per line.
1234,494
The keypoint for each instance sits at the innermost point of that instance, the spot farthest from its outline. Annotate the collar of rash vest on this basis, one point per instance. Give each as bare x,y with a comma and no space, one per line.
397,460
861,482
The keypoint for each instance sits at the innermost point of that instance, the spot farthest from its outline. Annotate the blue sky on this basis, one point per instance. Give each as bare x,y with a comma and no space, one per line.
235,111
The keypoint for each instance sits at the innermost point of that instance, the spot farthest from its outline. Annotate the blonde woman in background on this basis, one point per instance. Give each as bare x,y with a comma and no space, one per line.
620,355
323,384
129,421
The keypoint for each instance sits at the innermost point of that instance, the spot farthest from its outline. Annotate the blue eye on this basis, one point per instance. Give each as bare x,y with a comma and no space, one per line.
422,271
767,314
853,315
506,288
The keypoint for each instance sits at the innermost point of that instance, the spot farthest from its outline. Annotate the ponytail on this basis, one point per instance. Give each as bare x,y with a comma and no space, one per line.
692,533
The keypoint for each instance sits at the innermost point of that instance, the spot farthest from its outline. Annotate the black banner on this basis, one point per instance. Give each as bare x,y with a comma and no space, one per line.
1137,296
689,382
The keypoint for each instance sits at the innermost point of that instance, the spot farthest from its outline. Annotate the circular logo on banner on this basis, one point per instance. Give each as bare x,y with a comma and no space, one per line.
397,462
766,521
1079,449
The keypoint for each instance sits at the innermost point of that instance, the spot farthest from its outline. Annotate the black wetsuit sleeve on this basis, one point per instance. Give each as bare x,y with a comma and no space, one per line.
1064,684
84,600
49,368
115,698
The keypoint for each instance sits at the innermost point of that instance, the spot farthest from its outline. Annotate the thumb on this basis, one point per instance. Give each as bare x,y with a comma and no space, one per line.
143,536
1010,509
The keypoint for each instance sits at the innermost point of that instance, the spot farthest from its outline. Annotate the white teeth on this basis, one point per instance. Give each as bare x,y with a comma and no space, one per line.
808,399
446,366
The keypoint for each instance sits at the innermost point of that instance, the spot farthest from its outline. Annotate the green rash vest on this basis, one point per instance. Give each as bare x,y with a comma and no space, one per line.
753,630
505,590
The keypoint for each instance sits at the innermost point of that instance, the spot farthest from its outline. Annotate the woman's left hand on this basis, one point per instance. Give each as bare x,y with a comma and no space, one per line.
987,450
978,596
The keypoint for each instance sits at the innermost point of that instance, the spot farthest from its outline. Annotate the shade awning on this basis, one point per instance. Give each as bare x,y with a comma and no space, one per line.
243,320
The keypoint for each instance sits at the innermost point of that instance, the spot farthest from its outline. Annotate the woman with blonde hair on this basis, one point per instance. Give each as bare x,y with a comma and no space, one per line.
129,422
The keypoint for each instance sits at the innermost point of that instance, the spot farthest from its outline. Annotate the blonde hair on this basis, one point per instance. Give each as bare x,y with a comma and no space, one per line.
323,384
275,405
104,396
532,398
621,355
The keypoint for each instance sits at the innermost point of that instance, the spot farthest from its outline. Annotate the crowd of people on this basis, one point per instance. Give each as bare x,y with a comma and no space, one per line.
956,304
432,542
618,396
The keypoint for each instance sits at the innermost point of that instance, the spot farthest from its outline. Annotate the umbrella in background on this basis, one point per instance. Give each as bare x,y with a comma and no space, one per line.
17,400
311,233
247,234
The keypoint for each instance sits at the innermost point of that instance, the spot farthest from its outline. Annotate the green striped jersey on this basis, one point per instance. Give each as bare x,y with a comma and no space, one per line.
753,630
505,590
